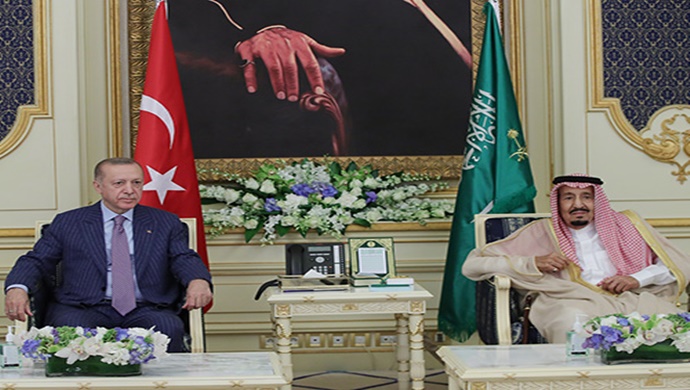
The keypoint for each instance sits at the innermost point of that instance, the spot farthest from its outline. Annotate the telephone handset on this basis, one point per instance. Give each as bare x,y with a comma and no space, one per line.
327,258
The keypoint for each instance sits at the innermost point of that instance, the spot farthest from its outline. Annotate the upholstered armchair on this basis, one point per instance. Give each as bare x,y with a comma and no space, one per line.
502,313
40,296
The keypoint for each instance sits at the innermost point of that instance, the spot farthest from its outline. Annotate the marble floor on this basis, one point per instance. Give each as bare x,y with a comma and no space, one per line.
355,380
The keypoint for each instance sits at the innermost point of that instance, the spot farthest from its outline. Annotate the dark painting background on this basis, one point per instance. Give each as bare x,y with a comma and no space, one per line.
407,92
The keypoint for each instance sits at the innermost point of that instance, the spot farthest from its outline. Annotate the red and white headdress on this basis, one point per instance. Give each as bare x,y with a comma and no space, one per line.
626,248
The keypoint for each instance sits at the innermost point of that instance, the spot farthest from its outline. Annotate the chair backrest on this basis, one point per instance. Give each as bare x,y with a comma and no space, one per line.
497,305
493,227
195,321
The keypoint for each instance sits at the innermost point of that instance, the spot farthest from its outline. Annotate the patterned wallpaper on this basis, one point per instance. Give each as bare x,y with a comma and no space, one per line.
16,60
646,55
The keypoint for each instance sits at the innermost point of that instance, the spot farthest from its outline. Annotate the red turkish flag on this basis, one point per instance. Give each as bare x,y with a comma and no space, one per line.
164,146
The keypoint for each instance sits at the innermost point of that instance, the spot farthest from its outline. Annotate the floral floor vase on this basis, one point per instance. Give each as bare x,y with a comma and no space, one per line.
92,366
662,352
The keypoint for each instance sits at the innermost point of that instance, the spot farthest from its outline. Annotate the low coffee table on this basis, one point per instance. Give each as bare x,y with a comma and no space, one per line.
545,366
250,370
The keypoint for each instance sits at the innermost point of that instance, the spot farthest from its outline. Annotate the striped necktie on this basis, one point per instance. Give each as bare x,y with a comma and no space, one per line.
123,299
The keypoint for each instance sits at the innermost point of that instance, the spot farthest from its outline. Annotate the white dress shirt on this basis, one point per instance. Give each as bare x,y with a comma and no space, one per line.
596,264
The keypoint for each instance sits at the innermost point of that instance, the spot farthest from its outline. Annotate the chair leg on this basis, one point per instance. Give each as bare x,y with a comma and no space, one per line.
196,330
525,319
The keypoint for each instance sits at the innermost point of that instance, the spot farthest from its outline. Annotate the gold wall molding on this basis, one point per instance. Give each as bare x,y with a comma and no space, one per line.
115,75
40,109
667,132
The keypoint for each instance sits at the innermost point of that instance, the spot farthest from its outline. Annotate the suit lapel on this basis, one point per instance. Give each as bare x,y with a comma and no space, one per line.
143,233
93,236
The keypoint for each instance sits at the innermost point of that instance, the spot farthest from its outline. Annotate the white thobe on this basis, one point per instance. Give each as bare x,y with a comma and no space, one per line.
596,264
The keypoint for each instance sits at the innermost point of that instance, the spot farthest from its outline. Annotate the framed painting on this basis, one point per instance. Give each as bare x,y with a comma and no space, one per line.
397,87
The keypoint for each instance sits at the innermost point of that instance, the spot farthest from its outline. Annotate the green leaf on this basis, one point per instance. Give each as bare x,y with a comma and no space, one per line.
282,230
362,222
334,169
351,167
250,233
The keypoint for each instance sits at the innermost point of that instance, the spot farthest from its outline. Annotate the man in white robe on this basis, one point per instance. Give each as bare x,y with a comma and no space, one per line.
585,259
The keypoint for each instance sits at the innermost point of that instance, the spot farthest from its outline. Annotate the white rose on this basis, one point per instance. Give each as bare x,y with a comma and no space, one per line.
359,204
267,187
438,213
370,182
289,220
346,199
251,224
356,183
422,214
230,196
398,196
249,198
236,220
313,221
252,184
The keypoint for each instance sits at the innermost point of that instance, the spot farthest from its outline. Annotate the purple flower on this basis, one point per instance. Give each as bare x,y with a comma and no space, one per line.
271,205
30,348
685,315
611,335
371,196
595,341
121,334
645,317
141,352
623,321
325,189
302,189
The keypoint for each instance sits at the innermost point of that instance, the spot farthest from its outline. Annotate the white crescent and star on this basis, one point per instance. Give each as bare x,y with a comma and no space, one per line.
161,182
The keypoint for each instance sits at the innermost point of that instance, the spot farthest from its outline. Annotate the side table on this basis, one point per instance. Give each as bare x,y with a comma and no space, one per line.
407,306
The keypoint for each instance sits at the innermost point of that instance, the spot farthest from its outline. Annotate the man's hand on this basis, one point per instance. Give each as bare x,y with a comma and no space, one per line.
551,263
198,294
279,48
619,283
17,305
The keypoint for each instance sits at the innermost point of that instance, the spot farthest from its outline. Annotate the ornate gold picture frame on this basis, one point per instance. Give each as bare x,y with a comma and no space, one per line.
140,15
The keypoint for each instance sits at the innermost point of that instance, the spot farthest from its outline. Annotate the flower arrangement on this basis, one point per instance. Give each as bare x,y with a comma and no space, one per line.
625,333
116,346
325,198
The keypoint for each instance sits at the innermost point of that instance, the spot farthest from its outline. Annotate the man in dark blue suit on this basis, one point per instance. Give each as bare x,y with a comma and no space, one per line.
81,240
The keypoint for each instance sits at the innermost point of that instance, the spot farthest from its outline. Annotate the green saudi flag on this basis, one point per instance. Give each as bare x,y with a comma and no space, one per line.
496,176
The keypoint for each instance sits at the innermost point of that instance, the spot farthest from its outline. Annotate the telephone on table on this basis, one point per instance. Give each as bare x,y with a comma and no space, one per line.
327,259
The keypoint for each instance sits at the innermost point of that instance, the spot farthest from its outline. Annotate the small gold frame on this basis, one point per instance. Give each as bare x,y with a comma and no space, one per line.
385,270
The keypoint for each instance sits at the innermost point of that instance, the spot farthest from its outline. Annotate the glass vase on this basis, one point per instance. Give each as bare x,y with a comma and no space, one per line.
92,366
